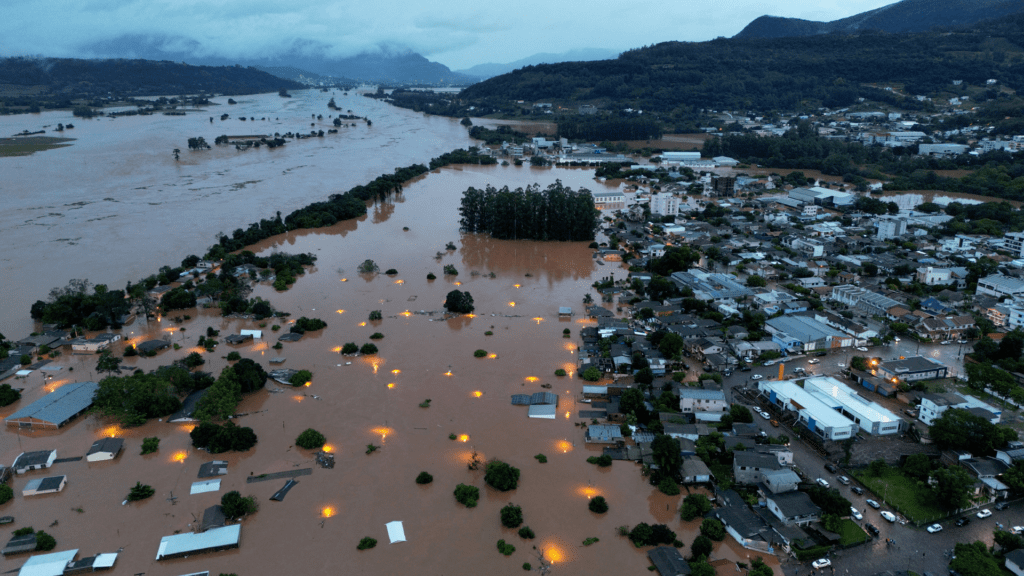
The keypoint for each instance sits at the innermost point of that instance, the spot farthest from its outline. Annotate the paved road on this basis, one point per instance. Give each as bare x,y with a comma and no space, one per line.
914,549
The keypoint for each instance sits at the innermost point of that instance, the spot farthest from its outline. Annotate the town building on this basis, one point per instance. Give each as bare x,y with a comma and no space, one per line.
711,286
869,416
793,508
38,460
187,544
890,228
819,417
1014,243
863,299
999,286
49,485
704,404
664,204
749,467
913,368
934,404
52,564
804,334
56,408
104,449
615,200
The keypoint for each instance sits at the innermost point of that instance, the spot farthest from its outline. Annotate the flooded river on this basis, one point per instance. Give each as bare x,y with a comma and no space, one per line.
373,400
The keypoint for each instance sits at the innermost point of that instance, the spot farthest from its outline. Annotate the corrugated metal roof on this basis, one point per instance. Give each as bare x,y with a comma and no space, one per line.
542,411
520,400
544,398
58,406
48,564
205,486
186,543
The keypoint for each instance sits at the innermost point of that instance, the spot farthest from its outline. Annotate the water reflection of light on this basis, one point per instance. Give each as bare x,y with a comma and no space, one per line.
179,456
188,428
458,283
564,445
298,397
567,415
260,347
569,346
538,320
391,384
588,491
383,431
448,373
307,384
532,379
516,285
512,304
336,349
362,323
463,437
470,315
406,314
112,431
477,393
328,448
344,279
327,511
553,553
399,281
492,355
52,386
396,371
340,311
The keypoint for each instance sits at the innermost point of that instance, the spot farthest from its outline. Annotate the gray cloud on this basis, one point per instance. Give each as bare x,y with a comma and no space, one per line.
458,33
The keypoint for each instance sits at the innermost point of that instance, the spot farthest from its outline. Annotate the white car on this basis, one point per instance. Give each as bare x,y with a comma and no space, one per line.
823,482
821,563
770,363
813,361
844,480
888,515
895,338
756,377
873,504
1017,530
984,513
934,528
765,415
841,365
862,349
856,513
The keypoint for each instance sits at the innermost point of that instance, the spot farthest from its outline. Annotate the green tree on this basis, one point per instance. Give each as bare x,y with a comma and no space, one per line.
667,454
366,543
694,506
755,281
974,559
713,529
45,542
641,534
759,568
671,345
632,402
459,302
958,429
368,267
467,495
511,516
193,360
917,466
501,476
150,445
424,478
140,492
8,395
6,493
701,548
108,363
591,374
235,505
953,487
830,500
741,414
310,439
598,505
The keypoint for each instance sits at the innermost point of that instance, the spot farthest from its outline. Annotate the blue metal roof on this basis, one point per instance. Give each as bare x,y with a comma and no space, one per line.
61,405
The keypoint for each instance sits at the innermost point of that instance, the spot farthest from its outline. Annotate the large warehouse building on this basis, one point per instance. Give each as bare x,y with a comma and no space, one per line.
819,417
869,416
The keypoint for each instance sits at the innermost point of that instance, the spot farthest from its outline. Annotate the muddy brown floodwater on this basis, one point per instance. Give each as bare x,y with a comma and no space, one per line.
375,399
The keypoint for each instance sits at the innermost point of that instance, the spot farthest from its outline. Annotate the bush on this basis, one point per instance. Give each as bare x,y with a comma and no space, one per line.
541,458
150,445
598,504
217,439
194,360
506,549
368,349
467,495
644,534
560,372
376,336
376,315
501,476
366,542
6,493
488,333
233,356
424,478
310,439
350,348
430,276
695,505
459,302
300,378
591,540
668,486
480,353
45,542
235,505
449,270
140,492
511,516
368,267
701,547
603,461
391,272
713,528
527,566
526,533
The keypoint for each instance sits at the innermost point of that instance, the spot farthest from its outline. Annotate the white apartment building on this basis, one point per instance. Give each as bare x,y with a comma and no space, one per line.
664,204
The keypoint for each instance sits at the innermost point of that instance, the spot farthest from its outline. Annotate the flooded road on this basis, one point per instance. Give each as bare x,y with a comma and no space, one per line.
376,400
115,206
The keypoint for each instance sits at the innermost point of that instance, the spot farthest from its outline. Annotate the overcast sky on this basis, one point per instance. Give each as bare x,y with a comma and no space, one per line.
457,33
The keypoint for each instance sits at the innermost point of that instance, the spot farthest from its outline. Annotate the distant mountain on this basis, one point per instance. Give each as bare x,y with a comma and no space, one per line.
674,79
490,70
385,65
71,78
903,16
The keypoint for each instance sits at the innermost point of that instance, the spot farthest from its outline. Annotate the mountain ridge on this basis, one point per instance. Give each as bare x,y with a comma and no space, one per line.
900,17
491,69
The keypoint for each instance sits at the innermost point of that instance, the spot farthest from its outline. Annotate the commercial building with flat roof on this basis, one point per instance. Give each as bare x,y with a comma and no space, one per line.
819,417
998,285
869,416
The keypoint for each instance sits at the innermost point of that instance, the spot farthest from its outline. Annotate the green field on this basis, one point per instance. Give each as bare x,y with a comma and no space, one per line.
850,533
903,495
31,144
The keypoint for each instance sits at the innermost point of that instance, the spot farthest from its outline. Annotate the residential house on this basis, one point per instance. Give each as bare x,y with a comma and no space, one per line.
934,404
37,460
704,404
749,467
695,471
603,434
104,449
912,369
793,508
667,561
780,481
1015,561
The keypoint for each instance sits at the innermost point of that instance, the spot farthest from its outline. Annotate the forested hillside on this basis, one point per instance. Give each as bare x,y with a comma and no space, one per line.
674,78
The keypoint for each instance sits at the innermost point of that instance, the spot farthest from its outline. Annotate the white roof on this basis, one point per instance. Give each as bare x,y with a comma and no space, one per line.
105,560
799,399
396,532
205,486
543,411
22,372
839,392
48,564
257,334
184,543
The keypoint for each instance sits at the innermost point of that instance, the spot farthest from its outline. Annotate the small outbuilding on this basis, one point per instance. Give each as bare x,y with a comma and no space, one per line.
48,485
213,469
91,564
37,460
213,517
152,346
396,532
105,449
20,544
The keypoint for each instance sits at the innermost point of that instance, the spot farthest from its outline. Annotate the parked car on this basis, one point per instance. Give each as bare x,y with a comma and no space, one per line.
765,415
934,528
820,354
1016,529
962,521
873,504
857,490
888,515
862,349
746,369
1002,506
756,377
856,513
844,480
871,528
946,342
831,467
775,422
984,513
821,563
813,361
822,482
